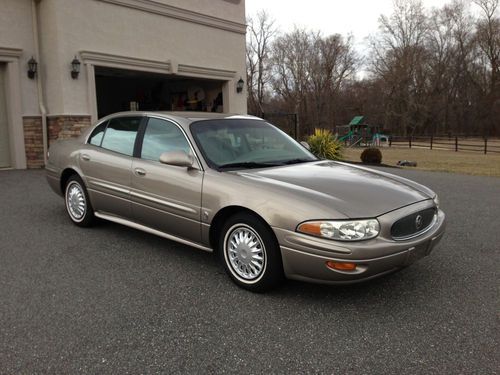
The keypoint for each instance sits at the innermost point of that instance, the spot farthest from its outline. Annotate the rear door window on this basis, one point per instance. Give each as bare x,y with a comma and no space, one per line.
120,135
96,136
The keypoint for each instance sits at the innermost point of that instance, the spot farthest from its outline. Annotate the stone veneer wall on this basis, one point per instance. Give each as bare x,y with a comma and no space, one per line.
59,127
62,127
33,141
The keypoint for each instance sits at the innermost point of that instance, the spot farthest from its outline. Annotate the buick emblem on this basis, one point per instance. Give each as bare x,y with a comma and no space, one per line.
419,221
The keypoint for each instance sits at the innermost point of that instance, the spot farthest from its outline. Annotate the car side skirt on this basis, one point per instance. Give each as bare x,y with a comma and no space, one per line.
144,228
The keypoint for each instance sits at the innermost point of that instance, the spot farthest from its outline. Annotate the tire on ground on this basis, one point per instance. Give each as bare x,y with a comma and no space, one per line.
77,202
249,252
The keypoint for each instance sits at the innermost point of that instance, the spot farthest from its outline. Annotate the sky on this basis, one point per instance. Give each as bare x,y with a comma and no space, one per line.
358,17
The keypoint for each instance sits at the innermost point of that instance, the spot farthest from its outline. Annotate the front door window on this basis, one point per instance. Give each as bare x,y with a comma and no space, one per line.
162,136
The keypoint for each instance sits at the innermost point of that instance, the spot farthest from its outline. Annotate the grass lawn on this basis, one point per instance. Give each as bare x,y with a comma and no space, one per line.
473,163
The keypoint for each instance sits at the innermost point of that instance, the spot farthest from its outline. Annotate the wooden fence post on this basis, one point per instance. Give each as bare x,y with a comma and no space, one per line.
456,144
485,145
409,141
431,141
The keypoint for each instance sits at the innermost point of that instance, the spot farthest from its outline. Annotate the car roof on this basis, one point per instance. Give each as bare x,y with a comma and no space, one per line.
183,117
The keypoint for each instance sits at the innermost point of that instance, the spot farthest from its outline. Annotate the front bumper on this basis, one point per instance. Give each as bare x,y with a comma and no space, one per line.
304,257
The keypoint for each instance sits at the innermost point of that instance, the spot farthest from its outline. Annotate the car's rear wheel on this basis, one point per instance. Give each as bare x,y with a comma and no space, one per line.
77,202
250,253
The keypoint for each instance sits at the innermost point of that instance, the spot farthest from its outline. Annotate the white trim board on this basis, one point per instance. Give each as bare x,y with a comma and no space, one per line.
164,67
165,10
8,54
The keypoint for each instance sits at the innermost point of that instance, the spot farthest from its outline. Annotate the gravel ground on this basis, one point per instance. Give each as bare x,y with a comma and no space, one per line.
114,300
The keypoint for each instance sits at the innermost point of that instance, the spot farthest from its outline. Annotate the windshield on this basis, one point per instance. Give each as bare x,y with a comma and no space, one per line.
244,143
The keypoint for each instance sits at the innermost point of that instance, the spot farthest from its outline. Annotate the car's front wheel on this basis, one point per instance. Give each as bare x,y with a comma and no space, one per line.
250,253
77,202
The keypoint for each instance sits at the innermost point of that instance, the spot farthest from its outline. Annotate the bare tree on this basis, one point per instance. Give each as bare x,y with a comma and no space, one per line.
488,39
488,36
398,60
309,71
429,71
261,31
291,54
333,61
452,50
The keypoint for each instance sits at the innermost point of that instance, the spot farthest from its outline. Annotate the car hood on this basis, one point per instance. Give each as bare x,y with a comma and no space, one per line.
352,191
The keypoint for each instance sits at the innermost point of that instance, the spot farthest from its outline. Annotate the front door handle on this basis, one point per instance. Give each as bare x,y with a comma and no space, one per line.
140,172
85,157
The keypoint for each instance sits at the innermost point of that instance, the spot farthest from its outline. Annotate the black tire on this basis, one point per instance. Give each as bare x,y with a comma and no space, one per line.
255,263
80,212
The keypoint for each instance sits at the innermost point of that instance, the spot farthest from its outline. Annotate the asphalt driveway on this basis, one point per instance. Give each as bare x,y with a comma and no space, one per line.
115,300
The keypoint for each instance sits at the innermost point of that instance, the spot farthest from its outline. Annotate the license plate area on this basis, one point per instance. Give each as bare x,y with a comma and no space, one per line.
417,252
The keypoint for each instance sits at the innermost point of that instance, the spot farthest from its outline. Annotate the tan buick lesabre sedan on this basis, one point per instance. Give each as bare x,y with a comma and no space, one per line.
240,187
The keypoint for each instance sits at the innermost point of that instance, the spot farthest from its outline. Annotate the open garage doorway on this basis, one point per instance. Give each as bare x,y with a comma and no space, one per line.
128,90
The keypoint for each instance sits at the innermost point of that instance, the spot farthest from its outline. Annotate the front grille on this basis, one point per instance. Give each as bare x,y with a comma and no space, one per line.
413,224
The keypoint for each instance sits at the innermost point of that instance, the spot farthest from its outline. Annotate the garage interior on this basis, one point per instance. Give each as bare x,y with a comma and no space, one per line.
127,90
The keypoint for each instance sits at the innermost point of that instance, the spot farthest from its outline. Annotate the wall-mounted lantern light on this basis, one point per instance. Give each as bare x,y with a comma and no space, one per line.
75,68
239,85
32,65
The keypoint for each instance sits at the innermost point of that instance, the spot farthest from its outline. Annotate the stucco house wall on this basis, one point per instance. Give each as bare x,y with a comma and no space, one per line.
189,38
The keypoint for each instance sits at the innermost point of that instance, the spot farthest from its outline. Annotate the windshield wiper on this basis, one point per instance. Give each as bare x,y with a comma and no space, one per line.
296,161
247,164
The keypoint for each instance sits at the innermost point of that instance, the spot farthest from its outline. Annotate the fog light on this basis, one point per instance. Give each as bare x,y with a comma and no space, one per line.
340,266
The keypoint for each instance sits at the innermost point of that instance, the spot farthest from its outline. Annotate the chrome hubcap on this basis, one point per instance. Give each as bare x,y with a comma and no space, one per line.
245,252
75,201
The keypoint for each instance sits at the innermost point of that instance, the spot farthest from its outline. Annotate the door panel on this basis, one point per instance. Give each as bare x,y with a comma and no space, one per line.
106,163
108,176
165,197
4,125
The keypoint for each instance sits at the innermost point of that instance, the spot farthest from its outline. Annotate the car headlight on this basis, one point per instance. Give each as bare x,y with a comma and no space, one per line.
436,200
342,230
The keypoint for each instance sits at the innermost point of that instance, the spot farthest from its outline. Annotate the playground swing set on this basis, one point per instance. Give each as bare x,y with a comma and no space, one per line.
357,133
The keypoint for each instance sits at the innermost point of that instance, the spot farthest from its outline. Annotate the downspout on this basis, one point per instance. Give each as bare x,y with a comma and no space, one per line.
41,103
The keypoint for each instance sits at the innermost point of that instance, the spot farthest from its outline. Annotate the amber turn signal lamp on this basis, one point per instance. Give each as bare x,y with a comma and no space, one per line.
310,228
340,266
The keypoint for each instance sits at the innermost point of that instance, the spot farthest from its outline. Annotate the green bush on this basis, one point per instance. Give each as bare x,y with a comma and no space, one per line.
371,156
325,145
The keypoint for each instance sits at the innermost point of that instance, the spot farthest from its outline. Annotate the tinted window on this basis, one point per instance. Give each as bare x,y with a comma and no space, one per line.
162,136
96,136
120,135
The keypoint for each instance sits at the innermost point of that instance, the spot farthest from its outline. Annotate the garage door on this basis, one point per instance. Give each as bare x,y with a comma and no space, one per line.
4,126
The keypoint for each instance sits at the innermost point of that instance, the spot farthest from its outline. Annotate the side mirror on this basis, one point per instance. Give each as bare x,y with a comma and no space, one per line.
305,145
178,158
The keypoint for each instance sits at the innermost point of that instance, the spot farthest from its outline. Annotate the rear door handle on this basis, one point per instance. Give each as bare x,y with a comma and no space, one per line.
140,172
85,157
